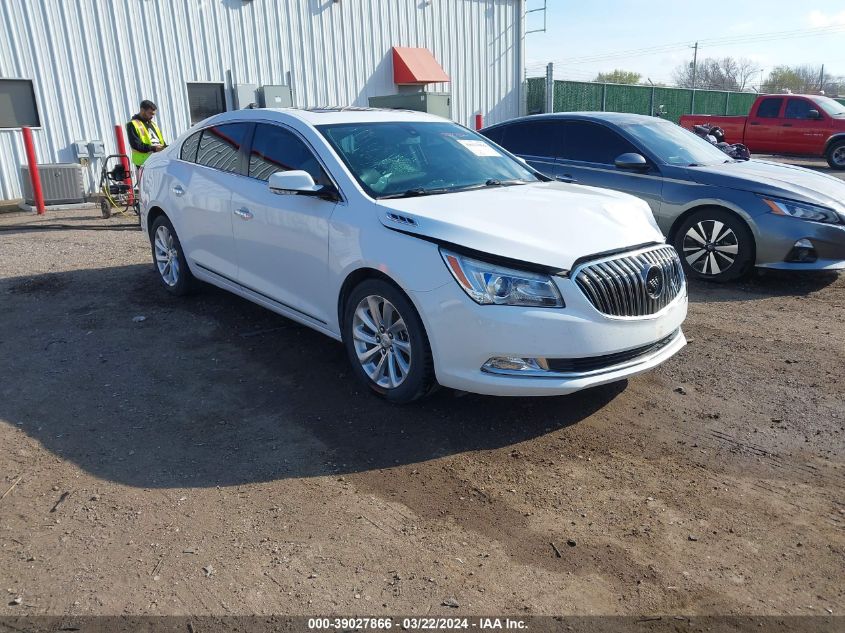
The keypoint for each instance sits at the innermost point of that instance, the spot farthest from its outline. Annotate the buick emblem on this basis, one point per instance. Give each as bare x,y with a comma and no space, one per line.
654,281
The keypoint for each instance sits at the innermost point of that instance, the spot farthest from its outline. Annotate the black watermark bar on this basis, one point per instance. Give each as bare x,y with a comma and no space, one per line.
307,624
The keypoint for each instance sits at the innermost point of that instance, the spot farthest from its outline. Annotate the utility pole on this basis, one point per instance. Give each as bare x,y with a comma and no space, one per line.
694,64
694,71
821,80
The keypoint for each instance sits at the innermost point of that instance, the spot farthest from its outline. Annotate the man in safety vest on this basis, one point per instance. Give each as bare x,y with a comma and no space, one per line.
144,135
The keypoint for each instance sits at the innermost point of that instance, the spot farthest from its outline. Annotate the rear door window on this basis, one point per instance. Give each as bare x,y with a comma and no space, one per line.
496,134
533,138
276,149
593,143
220,146
770,108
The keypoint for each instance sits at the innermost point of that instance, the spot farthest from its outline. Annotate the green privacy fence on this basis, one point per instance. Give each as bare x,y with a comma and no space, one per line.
575,96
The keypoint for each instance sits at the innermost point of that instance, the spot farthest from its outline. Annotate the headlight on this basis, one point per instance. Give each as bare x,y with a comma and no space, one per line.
493,284
802,210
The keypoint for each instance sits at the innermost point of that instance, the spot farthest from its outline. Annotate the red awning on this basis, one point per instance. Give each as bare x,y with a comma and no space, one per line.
416,66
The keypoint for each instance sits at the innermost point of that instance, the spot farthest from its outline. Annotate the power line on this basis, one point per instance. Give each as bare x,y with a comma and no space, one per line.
711,42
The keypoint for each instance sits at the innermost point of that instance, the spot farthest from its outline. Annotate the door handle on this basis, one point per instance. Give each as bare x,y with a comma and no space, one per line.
566,178
177,190
244,213
787,125
753,123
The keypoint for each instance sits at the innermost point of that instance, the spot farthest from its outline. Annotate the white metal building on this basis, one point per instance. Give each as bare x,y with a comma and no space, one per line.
72,69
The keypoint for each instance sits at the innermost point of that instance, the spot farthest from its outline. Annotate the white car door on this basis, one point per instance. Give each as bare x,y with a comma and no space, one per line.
202,191
283,240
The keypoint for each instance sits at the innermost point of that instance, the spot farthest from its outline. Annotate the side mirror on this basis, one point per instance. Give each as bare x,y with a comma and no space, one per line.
297,181
813,114
631,161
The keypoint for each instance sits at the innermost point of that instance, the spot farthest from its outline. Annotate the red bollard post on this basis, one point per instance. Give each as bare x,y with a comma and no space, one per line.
121,149
34,176
479,121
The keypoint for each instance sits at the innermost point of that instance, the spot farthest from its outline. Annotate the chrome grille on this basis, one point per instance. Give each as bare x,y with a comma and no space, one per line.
625,285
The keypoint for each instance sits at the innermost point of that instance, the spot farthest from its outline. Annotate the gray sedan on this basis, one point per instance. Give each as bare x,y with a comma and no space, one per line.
723,216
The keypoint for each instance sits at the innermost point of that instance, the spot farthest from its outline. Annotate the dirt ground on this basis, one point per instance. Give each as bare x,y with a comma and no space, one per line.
214,458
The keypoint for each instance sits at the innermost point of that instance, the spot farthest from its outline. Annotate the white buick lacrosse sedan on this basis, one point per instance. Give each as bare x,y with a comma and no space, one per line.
434,255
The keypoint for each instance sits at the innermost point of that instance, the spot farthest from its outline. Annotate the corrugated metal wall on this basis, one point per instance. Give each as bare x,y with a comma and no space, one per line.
92,61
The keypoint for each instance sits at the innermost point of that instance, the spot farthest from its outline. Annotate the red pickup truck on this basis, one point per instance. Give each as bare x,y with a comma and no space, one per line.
804,125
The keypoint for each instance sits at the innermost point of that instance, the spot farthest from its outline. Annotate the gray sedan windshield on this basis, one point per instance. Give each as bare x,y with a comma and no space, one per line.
407,158
674,145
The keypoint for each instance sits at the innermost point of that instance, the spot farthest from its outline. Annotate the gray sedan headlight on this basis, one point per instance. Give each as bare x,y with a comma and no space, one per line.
493,284
802,210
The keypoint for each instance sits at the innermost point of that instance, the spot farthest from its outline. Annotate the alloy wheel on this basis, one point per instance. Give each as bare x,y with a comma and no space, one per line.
382,342
838,156
166,255
710,247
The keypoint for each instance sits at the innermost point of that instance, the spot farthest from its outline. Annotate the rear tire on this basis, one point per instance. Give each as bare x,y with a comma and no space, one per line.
836,155
105,208
386,342
715,245
169,258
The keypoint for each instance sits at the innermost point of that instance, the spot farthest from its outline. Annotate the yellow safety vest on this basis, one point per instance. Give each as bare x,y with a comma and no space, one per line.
144,134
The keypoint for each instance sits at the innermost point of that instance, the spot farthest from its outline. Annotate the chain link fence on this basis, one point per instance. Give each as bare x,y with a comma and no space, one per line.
579,96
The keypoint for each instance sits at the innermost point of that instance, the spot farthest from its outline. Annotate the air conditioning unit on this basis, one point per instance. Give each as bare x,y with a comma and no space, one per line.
61,183
439,103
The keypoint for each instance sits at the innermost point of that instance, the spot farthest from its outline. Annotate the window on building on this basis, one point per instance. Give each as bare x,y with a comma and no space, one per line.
205,100
17,104
277,149
769,108
189,147
593,143
220,146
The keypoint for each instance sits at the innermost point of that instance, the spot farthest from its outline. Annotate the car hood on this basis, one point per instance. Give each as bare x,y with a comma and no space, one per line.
552,224
775,179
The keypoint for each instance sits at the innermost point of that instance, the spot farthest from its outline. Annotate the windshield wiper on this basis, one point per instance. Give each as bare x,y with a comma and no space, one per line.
495,182
415,192
420,191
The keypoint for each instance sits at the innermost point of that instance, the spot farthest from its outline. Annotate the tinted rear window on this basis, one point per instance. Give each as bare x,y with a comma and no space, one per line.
769,108
220,146
532,138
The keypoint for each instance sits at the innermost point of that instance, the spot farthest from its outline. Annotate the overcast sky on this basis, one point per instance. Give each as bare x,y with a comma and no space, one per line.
590,29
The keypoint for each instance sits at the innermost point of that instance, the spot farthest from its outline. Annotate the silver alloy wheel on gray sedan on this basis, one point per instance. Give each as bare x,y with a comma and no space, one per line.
382,342
166,255
710,247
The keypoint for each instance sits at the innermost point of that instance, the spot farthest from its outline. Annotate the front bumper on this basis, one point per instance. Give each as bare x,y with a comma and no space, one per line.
464,336
776,235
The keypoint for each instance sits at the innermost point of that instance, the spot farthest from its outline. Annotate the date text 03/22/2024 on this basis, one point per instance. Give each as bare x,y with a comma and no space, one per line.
416,624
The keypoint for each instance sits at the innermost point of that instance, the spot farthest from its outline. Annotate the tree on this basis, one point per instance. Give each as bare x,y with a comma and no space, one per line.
802,79
711,73
619,77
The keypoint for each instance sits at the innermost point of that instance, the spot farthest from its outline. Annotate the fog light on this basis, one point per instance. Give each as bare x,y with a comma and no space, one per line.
803,252
515,364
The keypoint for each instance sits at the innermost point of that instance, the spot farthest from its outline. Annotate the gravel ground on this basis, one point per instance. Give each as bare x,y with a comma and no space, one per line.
216,458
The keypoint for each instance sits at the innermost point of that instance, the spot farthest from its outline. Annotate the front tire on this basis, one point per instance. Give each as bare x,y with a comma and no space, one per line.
715,245
169,258
386,342
836,155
